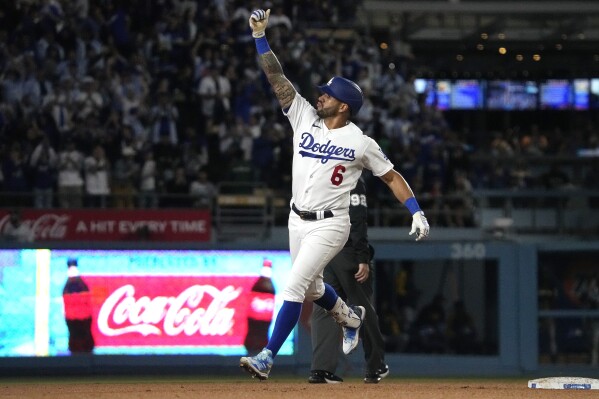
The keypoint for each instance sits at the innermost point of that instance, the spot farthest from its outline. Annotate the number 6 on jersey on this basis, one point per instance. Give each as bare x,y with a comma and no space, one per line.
337,177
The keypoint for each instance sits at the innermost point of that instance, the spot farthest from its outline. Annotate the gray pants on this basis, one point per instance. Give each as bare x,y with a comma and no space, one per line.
326,333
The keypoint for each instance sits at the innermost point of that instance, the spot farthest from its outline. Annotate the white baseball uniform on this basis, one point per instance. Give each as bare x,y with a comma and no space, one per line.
326,166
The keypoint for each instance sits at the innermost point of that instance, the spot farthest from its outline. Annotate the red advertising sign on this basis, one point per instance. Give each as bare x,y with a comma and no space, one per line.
115,225
159,310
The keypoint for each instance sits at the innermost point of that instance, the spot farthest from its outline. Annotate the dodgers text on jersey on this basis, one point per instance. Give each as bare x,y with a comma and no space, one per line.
324,151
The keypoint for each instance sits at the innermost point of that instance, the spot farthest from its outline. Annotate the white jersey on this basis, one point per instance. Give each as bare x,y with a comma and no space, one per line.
328,163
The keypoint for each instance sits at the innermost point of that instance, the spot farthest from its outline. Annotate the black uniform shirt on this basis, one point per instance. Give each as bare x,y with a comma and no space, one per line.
358,214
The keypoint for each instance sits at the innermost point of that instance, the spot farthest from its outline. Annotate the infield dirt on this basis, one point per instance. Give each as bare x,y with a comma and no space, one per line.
237,388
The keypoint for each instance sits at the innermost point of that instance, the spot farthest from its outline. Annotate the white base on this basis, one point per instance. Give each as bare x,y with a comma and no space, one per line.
564,383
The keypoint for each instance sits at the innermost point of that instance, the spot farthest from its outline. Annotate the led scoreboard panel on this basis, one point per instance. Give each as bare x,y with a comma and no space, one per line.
142,301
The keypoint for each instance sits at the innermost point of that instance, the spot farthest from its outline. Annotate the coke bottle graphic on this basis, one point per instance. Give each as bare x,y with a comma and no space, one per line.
78,311
261,309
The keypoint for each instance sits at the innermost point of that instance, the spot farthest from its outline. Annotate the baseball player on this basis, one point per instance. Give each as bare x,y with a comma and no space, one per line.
349,274
330,153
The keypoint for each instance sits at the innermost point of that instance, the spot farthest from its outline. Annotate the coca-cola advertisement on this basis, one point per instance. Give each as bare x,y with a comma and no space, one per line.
114,225
62,302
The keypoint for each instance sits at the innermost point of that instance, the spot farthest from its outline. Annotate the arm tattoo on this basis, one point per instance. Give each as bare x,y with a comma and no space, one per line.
284,90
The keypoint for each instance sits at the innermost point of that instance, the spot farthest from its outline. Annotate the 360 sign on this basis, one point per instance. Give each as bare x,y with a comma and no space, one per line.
467,251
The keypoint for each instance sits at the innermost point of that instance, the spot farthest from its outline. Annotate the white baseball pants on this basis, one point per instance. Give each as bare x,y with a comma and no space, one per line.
312,245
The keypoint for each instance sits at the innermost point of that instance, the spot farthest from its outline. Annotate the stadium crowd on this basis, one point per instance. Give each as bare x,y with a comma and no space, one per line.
154,103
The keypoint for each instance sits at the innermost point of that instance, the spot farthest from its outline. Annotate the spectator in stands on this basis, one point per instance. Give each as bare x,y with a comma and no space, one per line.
88,101
32,90
297,47
60,104
70,68
97,178
16,230
263,157
254,126
133,112
185,99
147,183
167,156
127,139
14,170
436,199
389,84
459,206
279,19
177,191
239,170
119,22
51,13
70,177
521,175
164,117
194,152
458,154
43,164
521,178
434,170
130,89
409,166
242,136
500,147
215,92
28,109
534,143
7,119
221,8
203,191
408,97
124,177
398,128
554,180
11,86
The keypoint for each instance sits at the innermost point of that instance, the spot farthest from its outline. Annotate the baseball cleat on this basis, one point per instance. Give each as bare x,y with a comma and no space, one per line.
258,366
323,377
351,336
374,378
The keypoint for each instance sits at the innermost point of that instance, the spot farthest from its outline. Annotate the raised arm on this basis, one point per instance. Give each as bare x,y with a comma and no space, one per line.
282,87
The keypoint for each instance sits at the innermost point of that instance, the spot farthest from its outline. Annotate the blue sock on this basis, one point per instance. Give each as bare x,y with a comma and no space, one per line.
286,320
328,299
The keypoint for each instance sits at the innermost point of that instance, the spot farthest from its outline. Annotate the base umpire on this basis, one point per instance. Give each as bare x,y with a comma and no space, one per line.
350,274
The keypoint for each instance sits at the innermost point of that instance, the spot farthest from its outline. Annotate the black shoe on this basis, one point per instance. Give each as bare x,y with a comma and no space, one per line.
374,378
323,377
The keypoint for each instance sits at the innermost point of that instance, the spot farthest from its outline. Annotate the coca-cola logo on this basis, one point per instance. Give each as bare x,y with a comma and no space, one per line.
198,309
261,305
46,226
